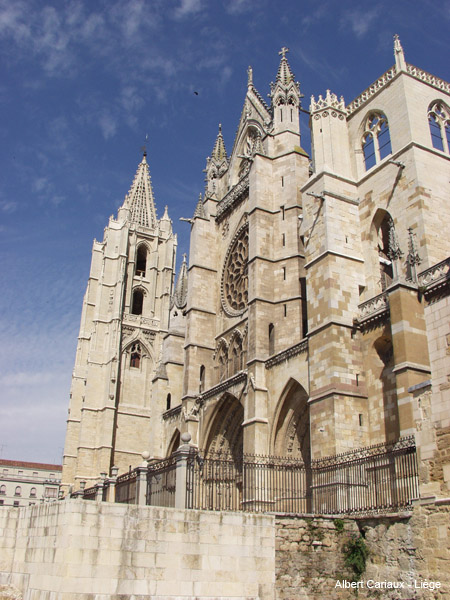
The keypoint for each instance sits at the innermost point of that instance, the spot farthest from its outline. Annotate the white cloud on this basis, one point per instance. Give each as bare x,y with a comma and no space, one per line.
8,206
187,8
237,7
108,125
359,21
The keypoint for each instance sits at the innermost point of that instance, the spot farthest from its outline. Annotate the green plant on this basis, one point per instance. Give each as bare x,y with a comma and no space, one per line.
356,553
339,525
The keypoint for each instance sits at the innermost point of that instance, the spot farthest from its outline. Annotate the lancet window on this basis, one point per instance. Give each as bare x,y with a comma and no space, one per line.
138,302
439,121
135,360
201,385
236,355
141,260
376,140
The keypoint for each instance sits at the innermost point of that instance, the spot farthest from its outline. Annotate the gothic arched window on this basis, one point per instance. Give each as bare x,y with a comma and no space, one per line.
168,401
271,339
236,355
138,302
201,385
18,491
135,360
376,140
141,260
439,120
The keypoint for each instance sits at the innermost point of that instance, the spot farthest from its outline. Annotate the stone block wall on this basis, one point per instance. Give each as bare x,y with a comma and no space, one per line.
81,550
412,549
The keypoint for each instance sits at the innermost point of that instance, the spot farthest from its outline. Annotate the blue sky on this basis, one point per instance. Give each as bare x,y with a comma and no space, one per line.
82,83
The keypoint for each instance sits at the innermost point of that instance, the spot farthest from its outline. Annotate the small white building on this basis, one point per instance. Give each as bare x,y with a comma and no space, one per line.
25,483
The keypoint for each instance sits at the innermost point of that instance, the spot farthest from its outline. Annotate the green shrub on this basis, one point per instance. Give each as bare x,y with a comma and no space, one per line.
356,553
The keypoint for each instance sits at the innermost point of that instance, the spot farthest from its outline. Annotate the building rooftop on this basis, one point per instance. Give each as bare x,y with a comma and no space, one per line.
29,465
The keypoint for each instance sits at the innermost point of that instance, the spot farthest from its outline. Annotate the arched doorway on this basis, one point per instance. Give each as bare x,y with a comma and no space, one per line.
291,440
220,475
225,434
174,443
292,437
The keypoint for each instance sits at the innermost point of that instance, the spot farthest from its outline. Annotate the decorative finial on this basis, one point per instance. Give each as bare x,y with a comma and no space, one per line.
400,62
184,257
283,51
144,147
250,76
220,128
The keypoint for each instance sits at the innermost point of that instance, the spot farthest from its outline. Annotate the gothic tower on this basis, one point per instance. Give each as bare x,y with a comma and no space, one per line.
124,319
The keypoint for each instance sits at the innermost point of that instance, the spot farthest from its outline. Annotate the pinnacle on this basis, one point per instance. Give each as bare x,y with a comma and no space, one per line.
219,152
180,293
284,74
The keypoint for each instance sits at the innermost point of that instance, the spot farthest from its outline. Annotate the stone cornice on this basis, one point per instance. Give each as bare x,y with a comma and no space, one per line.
171,413
234,197
435,280
285,355
333,253
372,310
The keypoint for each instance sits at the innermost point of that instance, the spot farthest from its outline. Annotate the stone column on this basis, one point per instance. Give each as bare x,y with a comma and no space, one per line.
112,484
184,450
141,480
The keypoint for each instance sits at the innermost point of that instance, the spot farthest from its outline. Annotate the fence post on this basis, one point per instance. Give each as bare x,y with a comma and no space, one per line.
141,480
100,484
181,455
112,484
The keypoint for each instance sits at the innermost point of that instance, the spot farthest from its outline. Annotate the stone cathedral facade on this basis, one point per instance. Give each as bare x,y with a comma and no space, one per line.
312,316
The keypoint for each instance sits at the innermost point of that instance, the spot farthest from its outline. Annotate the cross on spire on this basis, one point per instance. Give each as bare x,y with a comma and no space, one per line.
283,51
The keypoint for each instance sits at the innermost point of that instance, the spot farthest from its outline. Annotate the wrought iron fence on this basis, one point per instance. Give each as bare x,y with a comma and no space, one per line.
90,493
378,478
250,483
126,486
161,479
374,479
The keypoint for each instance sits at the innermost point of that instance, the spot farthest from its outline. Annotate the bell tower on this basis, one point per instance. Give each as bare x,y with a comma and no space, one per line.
124,319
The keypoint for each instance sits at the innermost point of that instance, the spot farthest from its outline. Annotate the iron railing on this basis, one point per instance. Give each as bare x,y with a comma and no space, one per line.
250,483
126,487
90,493
380,478
161,477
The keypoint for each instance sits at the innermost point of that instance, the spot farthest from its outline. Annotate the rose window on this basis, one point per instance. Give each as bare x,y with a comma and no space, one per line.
235,276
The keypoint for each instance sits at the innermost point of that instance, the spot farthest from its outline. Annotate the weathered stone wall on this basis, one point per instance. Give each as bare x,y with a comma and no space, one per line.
403,549
81,550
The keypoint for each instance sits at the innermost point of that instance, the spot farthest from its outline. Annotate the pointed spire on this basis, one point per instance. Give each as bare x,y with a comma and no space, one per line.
285,84
284,75
400,62
140,200
219,152
199,209
249,77
180,293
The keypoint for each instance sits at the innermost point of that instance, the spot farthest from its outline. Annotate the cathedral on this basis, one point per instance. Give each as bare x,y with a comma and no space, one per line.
312,316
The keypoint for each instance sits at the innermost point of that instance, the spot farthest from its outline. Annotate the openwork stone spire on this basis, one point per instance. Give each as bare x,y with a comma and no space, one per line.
140,198
180,293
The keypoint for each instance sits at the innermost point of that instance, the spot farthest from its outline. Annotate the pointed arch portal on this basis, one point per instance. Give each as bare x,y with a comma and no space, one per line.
292,437
225,435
